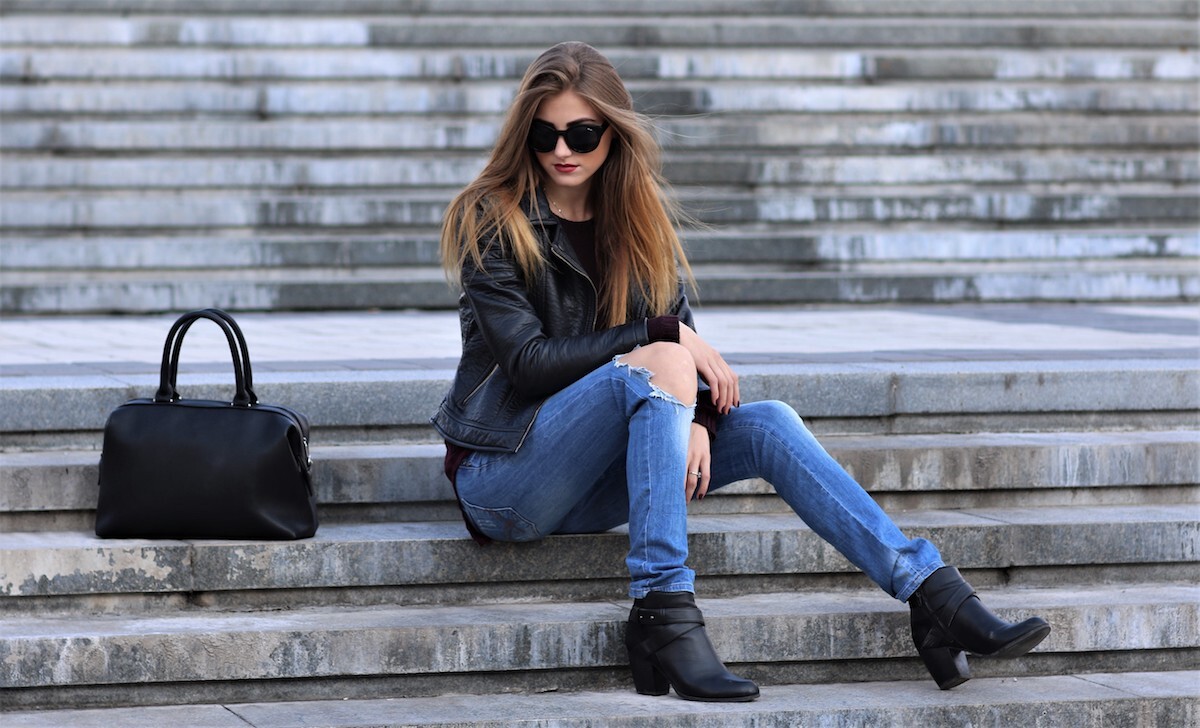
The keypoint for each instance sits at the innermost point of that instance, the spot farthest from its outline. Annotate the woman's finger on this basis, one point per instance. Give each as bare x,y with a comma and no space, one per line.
695,482
704,469
714,383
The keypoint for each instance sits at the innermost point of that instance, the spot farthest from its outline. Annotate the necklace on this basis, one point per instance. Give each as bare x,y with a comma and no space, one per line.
557,210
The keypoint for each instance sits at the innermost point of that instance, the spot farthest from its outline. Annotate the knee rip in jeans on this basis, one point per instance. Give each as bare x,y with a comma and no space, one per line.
643,373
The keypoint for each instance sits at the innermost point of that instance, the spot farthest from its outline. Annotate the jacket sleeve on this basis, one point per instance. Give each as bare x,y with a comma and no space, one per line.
682,309
534,363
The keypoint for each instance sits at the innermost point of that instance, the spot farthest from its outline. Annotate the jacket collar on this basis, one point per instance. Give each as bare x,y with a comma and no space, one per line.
540,216
538,209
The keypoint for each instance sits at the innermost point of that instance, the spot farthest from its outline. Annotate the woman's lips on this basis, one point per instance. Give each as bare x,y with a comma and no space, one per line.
566,168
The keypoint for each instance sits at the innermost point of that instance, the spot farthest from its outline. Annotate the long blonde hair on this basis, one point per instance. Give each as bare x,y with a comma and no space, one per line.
635,220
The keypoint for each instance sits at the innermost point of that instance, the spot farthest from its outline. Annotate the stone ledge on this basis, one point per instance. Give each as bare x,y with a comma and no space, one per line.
819,390
759,629
53,64
151,291
47,564
743,245
791,132
732,168
433,31
1131,700
406,474
652,97
21,211
1088,9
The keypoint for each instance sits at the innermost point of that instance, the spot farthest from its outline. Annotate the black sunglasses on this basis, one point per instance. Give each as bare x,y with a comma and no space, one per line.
581,138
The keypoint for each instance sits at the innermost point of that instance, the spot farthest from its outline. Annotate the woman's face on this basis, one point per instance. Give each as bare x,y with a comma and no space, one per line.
565,168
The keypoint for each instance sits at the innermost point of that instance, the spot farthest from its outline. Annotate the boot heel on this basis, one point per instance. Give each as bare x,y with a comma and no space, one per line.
648,679
947,666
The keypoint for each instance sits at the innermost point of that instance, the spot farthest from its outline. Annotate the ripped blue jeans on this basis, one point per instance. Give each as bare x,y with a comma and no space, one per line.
611,449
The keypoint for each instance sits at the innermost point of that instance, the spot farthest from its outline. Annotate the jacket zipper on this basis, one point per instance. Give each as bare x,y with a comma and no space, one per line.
572,266
595,305
529,427
480,385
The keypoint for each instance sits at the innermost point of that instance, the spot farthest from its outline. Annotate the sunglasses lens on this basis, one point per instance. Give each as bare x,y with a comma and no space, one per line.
583,138
542,137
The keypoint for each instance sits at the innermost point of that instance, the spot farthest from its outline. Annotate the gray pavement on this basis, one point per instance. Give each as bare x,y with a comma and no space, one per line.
88,345
1130,699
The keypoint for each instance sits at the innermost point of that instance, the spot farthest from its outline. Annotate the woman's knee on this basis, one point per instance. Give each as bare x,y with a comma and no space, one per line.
772,416
671,368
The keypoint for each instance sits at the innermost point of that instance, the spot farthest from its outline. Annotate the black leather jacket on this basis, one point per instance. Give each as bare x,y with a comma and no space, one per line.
523,341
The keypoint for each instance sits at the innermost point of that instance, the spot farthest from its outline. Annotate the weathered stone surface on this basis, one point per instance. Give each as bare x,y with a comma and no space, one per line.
34,564
409,396
821,250
1138,700
785,131
284,211
319,642
488,97
366,474
1088,9
392,554
742,97
739,168
58,64
685,31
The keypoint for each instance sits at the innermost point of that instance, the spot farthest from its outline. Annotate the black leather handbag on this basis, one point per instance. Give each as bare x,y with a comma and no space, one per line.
191,468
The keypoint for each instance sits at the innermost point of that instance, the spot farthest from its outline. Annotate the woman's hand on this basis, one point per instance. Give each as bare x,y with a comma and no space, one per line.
711,366
699,460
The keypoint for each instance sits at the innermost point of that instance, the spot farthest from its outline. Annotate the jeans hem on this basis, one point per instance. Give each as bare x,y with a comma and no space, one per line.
915,583
641,593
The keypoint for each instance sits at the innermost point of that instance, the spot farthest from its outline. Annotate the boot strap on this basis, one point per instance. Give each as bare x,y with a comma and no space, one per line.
943,600
671,624
670,615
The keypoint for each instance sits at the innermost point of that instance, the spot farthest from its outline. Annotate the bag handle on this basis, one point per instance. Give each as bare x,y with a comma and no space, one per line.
237,332
245,351
167,391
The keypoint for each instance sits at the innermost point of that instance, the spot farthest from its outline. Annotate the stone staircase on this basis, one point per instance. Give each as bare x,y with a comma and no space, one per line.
283,155
169,155
1064,486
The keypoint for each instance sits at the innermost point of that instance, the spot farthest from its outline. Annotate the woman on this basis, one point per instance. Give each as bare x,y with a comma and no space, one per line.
584,398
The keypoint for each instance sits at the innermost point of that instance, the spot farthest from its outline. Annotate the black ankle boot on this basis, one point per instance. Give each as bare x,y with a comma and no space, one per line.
948,620
668,647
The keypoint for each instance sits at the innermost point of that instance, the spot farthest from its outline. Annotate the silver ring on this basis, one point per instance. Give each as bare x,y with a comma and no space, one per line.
696,473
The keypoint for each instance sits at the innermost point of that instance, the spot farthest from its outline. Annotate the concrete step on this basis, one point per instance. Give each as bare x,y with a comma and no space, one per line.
954,391
37,172
275,100
669,8
1129,699
947,283
207,656
816,250
929,244
794,132
533,30
284,289
56,64
57,490
434,562
215,209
